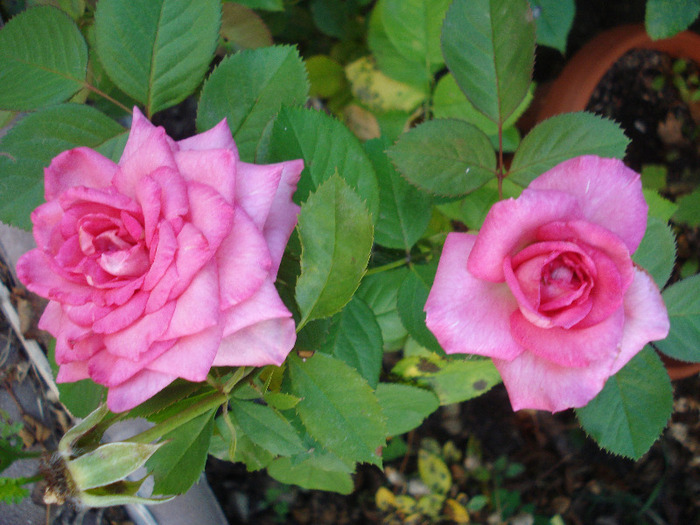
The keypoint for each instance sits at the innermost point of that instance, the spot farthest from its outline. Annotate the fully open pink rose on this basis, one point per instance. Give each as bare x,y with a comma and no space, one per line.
547,288
163,265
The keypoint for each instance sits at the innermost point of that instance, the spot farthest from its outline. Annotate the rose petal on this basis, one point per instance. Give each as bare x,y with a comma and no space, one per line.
122,316
209,213
136,390
539,384
256,188
609,193
243,259
197,308
570,347
512,224
218,137
34,270
190,357
216,168
646,318
265,304
69,372
466,314
77,167
283,214
110,370
265,343
135,339
147,149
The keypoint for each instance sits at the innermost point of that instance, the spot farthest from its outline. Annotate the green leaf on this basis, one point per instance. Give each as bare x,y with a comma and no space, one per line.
43,59
563,137
689,209
249,88
242,28
404,212
489,46
633,407
404,406
410,301
473,208
12,491
326,76
265,5
445,157
177,465
30,145
657,251
434,472
450,102
310,476
659,207
683,304
336,239
379,291
157,51
453,380
413,27
338,408
356,339
327,147
244,450
388,57
665,18
553,19
266,427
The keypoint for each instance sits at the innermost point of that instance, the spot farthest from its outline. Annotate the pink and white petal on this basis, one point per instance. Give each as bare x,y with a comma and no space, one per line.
265,343
193,253
590,234
210,213
216,168
190,357
122,316
96,200
256,188
218,137
534,383
610,194
570,347
646,318
283,213
77,167
34,270
86,314
147,149
197,308
110,370
136,390
511,225
243,259
70,372
137,338
263,305
162,255
45,219
148,196
466,314
121,293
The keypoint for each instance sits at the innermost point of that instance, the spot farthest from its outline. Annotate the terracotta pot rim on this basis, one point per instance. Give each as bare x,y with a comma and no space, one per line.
573,88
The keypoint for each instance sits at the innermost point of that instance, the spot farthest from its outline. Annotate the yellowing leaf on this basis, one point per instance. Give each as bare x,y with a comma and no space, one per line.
385,499
379,92
434,472
456,512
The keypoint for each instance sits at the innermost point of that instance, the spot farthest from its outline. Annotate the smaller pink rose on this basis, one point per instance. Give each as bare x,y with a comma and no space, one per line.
163,265
547,288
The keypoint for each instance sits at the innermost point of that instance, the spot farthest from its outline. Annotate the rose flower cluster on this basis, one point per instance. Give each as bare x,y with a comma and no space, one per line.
163,265
548,289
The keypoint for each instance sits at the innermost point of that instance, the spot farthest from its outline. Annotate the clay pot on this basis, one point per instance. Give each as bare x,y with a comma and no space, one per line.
579,78
572,90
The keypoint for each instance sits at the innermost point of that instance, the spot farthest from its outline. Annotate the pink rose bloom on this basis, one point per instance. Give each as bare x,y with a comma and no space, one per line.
163,265
547,288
